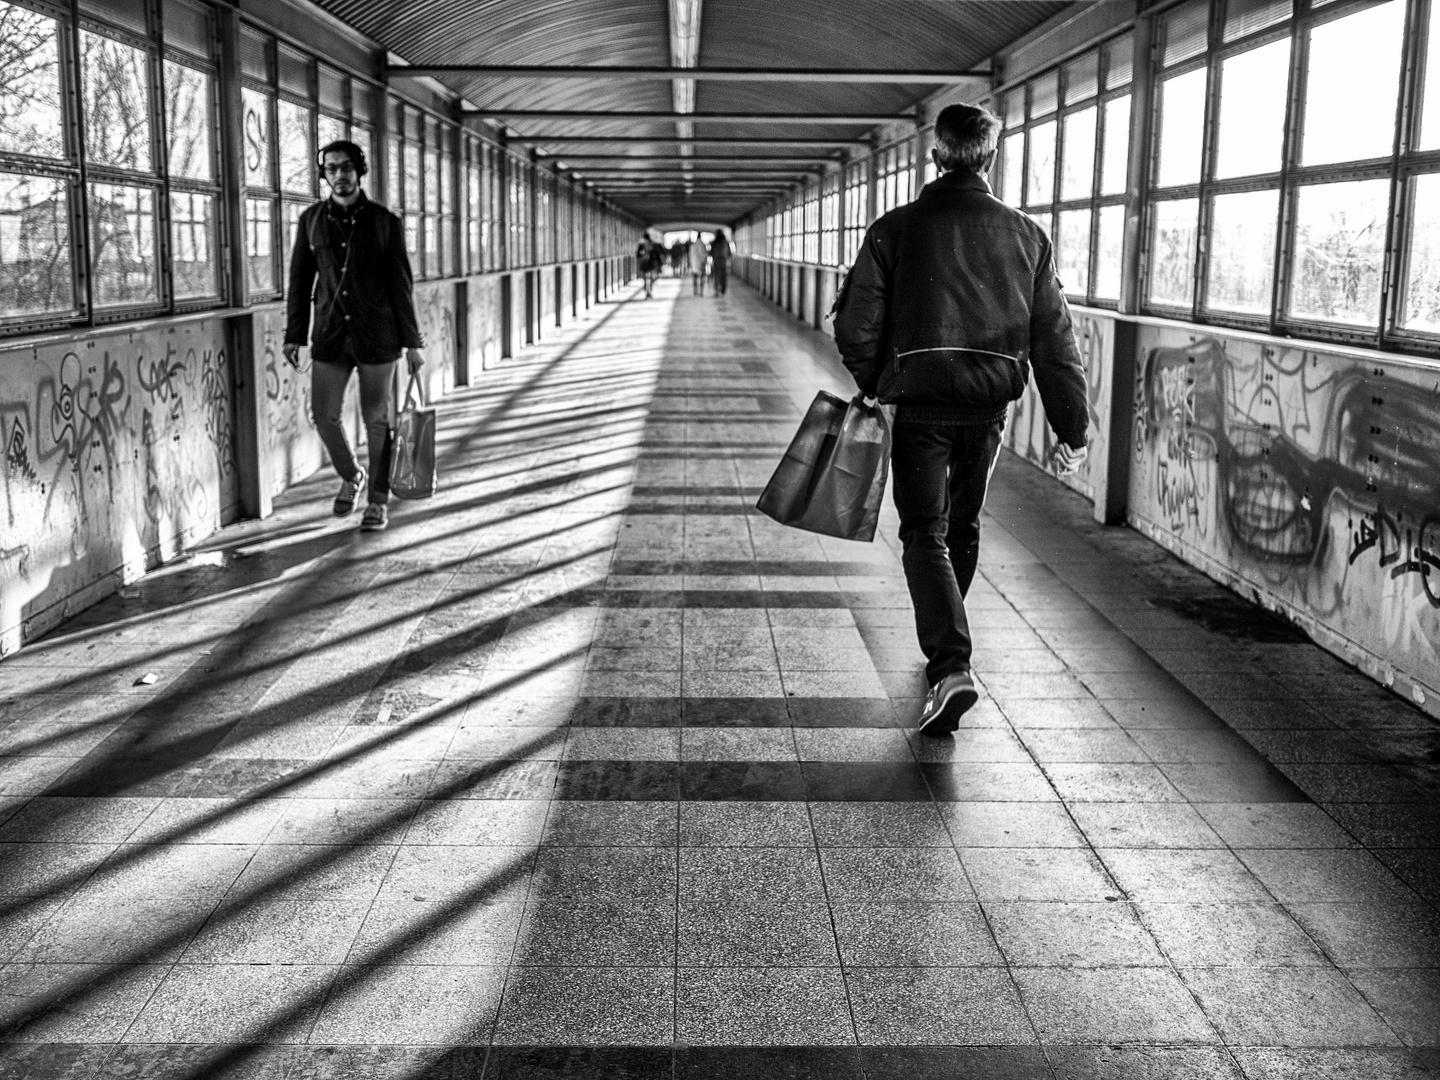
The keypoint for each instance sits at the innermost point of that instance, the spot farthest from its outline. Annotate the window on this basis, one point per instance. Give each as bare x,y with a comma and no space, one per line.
190,124
260,173
1298,242
124,187
1066,161
37,172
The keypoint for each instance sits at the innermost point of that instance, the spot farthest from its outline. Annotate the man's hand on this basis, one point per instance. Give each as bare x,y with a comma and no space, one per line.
415,360
1068,459
292,356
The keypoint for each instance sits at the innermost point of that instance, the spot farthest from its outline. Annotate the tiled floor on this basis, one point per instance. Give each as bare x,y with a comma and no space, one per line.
585,769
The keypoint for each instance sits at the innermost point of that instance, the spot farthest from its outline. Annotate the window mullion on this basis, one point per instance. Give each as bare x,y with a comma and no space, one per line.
80,210
1289,159
1391,270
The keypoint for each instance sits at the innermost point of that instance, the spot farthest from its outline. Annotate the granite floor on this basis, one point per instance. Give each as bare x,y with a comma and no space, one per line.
585,769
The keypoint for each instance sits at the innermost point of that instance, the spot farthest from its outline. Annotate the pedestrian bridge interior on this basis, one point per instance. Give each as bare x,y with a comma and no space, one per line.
584,767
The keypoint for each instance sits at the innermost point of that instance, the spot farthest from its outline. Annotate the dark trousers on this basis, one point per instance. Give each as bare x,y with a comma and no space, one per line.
328,381
721,269
941,473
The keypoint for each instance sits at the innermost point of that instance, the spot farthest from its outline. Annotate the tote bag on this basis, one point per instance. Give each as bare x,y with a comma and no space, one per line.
832,478
412,452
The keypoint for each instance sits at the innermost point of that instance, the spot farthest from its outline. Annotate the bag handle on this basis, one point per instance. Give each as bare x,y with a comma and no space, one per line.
415,390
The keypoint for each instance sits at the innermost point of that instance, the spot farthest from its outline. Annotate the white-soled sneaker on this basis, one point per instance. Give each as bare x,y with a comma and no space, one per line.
349,492
377,516
948,700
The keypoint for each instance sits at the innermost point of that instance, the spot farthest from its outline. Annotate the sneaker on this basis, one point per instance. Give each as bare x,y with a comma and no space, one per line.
349,489
948,700
375,519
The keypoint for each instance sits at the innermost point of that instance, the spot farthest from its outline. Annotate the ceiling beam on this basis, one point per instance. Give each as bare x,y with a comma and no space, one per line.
677,140
698,118
930,77
557,159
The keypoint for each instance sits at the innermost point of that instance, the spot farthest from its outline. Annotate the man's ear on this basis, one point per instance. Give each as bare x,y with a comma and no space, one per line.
935,157
989,161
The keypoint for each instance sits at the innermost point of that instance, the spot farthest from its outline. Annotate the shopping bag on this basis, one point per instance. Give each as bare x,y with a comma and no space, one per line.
412,451
832,478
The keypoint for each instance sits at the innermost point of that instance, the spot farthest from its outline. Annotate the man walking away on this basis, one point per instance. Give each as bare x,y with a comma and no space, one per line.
698,255
720,262
952,300
648,259
350,254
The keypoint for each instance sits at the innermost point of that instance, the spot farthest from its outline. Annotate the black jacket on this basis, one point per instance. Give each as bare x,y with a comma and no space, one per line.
951,301
374,305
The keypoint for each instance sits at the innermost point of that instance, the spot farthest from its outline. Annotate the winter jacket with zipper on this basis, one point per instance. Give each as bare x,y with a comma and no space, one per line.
952,300
369,300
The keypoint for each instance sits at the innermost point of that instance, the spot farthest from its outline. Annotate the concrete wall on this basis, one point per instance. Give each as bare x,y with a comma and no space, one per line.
123,446
1306,478
118,451
1029,435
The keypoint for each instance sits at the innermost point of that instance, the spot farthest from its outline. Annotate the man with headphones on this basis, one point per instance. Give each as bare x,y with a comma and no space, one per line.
350,254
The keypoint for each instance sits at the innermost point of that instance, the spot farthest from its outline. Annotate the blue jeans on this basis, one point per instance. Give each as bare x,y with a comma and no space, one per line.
328,380
940,476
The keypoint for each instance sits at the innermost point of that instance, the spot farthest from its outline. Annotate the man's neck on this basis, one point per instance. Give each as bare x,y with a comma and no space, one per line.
345,202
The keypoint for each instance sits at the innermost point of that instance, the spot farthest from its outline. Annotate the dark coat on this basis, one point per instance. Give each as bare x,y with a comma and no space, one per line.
374,306
951,302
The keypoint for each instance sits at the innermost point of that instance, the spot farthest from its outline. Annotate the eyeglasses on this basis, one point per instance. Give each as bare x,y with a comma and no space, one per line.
337,170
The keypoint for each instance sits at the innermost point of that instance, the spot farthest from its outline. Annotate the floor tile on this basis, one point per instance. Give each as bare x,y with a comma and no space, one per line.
756,933
895,1006
558,933
1373,935
1144,825
791,1063
745,824
894,874
773,1006
402,1004
1011,825
1111,1005
878,824
1244,935
1142,1063
73,1003
1408,999
1311,1006
601,873
587,1006
914,934
1071,935
765,781
1037,874
749,875
581,823
580,1062
233,1003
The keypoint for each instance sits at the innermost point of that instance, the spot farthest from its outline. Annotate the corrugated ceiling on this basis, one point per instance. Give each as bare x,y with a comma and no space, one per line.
928,34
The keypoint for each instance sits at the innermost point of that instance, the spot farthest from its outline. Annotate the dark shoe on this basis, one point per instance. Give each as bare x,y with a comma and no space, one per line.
349,489
377,516
948,700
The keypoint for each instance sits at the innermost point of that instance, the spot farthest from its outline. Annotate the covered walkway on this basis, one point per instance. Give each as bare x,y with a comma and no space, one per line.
585,769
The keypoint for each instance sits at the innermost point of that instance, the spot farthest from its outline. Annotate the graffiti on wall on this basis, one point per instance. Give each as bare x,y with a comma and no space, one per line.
115,452
1315,475
1029,434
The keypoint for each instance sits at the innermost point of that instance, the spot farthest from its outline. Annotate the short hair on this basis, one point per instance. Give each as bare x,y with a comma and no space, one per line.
966,137
345,146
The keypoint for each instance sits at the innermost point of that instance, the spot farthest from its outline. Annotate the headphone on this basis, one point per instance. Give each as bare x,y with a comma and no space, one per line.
357,156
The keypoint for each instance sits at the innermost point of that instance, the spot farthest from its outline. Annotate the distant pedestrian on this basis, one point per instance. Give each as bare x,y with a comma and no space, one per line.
677,258
699,259
952,300
720,262
649,259
350,259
